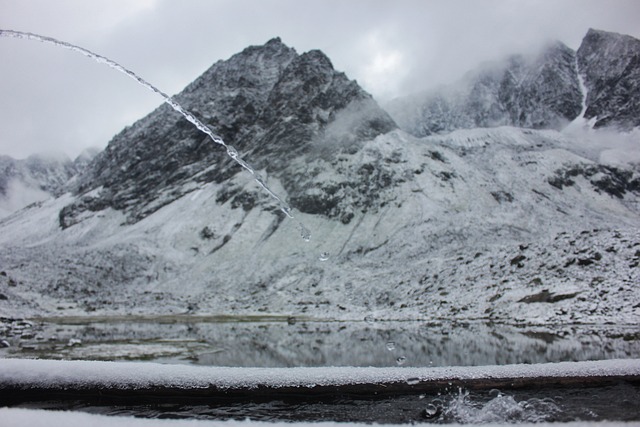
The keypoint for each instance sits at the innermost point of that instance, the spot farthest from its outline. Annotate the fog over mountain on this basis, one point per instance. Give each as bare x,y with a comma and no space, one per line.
541,91
471,202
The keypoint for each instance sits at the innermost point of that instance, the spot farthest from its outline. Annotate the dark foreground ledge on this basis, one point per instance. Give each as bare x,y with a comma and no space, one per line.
38,380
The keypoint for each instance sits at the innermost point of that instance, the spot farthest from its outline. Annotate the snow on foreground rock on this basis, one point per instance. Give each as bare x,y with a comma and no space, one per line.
27,374
74,377
503,224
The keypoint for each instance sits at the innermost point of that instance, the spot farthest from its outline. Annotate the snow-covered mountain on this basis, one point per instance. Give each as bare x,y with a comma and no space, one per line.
546,90
36,178
273,104
503,223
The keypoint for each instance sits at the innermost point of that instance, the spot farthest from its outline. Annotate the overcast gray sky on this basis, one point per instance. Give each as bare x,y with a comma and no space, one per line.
57,100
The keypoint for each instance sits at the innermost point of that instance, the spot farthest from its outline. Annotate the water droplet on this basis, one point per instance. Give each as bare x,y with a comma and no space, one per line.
369,319
324,256
413,381
232,152
216,139
391,346
287,211
430,411
400,360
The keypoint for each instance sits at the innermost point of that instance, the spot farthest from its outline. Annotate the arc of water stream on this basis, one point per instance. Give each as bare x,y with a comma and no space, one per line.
231,151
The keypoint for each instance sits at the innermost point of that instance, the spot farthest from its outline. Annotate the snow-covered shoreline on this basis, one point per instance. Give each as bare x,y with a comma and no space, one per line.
55,374
76,376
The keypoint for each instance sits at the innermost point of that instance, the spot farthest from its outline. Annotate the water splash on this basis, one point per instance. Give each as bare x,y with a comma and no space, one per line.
500,409
231,151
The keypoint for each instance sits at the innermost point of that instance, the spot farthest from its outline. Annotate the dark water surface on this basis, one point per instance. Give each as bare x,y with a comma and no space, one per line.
612,403
281,342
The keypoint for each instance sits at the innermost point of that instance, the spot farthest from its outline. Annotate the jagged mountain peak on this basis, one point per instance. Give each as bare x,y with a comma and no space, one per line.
267,101
541,90
596,35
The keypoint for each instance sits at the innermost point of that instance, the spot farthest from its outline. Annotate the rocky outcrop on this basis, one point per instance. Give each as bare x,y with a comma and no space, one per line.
610,64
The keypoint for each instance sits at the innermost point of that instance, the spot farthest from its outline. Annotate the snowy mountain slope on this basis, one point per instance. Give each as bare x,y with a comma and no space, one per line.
542,91
474,226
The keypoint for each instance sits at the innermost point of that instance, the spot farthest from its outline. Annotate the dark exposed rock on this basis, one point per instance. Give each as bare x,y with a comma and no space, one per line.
72,214
502,196
590,259
518,260
207,233
436,155
604,178
548,297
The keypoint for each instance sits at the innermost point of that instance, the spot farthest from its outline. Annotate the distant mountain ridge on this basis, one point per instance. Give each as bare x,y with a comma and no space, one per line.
542,91
37,177
610,64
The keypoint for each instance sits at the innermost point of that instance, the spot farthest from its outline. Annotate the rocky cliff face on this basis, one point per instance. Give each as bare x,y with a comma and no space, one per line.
539,92
610,64
267,101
